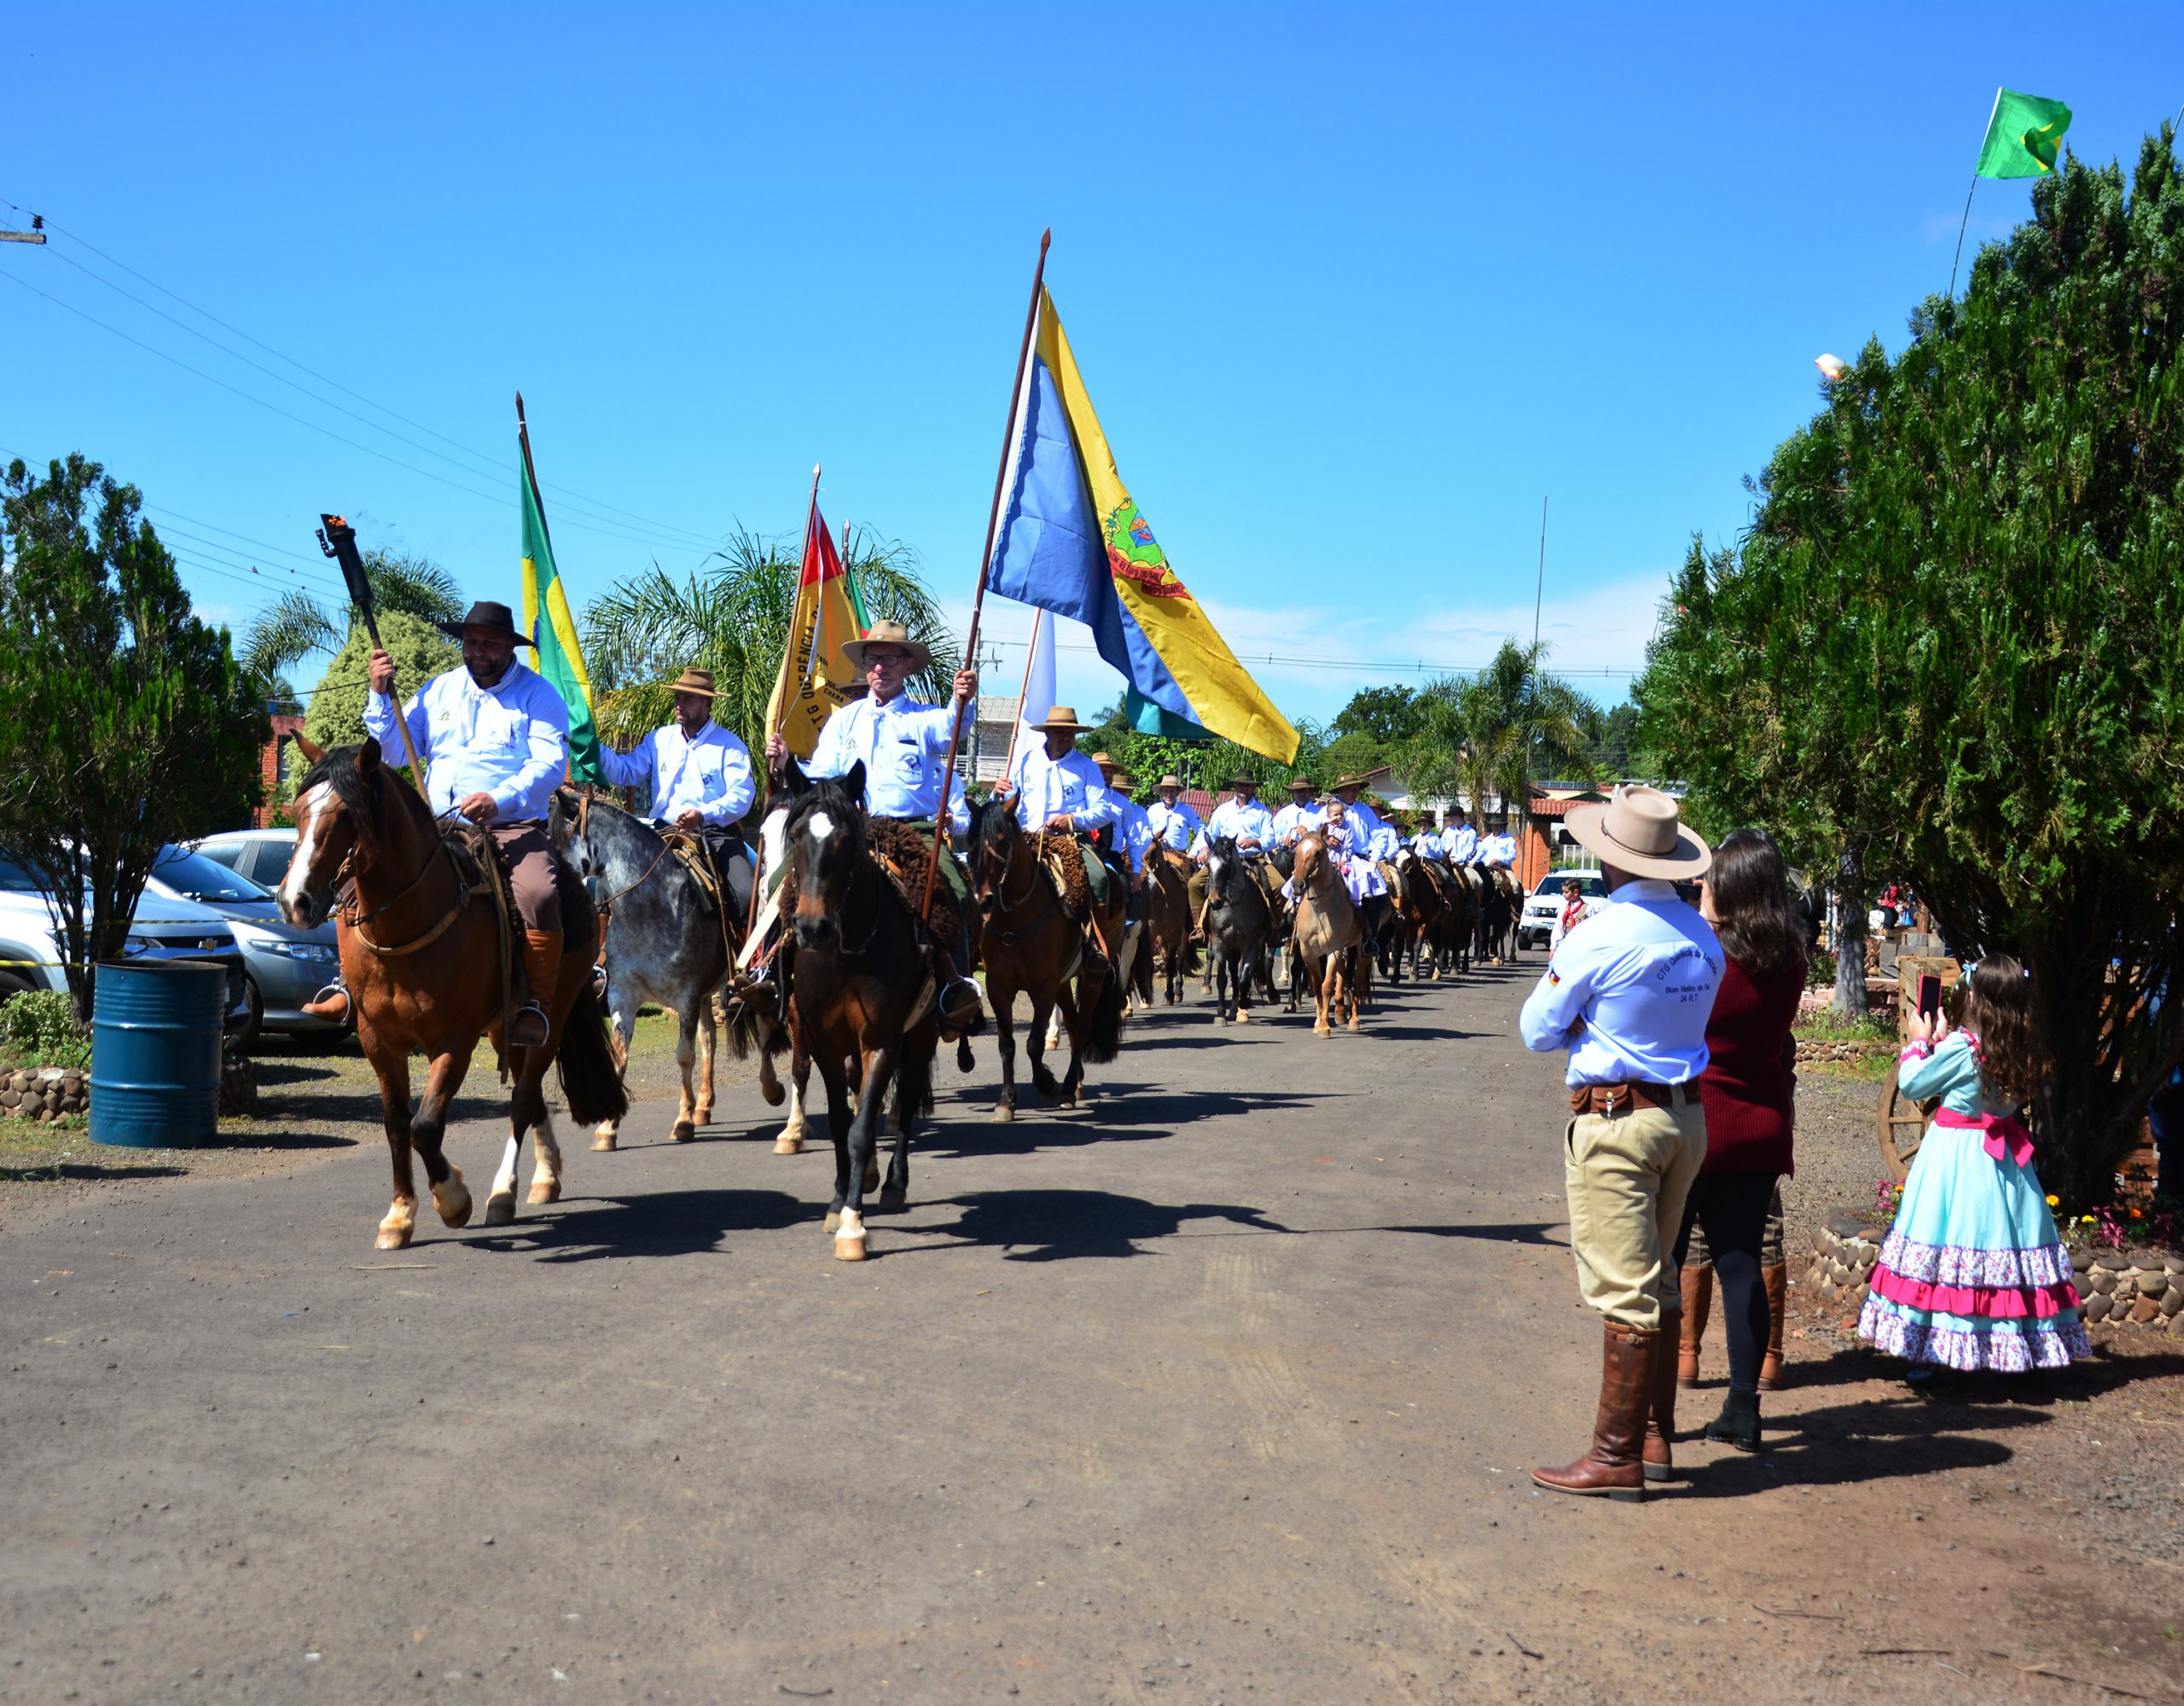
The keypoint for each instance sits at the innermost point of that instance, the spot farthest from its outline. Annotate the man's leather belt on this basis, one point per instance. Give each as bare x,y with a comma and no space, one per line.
1610,1100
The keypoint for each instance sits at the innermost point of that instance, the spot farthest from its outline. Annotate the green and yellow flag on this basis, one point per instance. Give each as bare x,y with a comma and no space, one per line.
2024,136
547,620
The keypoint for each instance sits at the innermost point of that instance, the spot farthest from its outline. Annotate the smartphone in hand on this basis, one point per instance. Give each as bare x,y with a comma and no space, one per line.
1930,996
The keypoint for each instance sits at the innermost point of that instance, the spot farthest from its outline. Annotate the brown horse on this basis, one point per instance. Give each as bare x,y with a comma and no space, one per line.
1327,940
862,990
417,890
1168,905
1033,943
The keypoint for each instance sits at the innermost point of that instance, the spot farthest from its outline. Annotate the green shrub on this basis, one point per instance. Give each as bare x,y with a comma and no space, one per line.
40,1023
1820,969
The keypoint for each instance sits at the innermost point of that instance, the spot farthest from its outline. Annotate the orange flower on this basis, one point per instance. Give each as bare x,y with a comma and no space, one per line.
2137,1215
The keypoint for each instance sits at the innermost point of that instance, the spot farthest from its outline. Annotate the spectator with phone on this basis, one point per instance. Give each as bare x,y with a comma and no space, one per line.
1973,1275
1747,1091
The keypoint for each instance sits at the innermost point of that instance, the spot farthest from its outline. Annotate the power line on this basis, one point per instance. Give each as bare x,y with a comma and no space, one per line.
691,537
576,523
1416,667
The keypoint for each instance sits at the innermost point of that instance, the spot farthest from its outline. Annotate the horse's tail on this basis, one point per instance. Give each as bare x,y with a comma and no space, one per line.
1141,968
914,1082
589,1083
1104,1024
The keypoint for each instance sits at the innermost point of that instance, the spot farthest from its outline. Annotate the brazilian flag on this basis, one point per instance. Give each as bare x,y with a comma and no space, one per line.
553,630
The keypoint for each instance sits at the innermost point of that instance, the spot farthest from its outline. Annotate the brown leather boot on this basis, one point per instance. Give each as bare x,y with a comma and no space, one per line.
331,1002
542,971
1613,1466
1660,1421
1776,1279
1698,1301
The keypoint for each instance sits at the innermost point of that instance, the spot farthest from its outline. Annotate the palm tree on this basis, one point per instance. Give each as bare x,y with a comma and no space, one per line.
295,625
1493,732
731,616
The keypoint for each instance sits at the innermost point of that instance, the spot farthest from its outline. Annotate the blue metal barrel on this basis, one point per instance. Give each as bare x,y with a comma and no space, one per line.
155,1053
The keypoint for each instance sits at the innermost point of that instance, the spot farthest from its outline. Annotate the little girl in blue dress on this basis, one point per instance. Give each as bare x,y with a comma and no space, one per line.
1973,1274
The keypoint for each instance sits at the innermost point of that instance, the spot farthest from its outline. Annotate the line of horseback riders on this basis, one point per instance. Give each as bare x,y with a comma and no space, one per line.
1060,885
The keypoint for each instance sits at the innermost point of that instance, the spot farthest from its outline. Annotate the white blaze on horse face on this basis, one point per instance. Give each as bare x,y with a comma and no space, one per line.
291,892
822,825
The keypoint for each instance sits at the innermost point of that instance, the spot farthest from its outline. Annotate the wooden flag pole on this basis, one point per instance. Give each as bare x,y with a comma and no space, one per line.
985,562
780,714
1030,653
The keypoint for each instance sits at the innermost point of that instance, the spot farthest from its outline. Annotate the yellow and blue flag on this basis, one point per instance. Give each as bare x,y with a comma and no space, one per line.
1072,541
547,619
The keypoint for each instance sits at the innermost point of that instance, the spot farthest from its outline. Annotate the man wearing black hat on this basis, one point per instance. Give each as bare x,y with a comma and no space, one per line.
493,737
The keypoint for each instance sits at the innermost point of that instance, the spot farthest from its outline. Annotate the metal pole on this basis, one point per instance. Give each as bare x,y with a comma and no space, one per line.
985,561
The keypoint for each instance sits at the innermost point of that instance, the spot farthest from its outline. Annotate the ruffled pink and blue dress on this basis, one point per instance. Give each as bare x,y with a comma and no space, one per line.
1973,1274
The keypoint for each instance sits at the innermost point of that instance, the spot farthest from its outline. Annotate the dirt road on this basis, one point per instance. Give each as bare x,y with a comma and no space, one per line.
1225,1390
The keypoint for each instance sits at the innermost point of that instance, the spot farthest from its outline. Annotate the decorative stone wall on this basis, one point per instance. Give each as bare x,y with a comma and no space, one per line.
2134,1288
44,1092
1813,1050
1844,1251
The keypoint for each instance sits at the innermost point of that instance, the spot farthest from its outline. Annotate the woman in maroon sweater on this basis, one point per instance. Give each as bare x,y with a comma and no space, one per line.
1746,1091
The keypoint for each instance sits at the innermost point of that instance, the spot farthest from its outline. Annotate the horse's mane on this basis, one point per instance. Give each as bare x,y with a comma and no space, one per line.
844,808
339,771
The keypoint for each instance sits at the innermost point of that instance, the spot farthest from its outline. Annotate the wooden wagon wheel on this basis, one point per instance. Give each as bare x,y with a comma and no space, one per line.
1900,1123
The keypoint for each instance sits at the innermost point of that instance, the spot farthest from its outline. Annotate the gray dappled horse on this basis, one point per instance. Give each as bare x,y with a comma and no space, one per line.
666,942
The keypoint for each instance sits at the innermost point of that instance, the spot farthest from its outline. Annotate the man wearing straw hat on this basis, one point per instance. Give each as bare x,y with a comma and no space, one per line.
1053,785
1174,821
1134,836
700,777
904,747
1300,814
1629,996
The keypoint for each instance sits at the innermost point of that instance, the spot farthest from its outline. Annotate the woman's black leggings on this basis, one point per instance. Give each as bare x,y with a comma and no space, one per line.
1731,1209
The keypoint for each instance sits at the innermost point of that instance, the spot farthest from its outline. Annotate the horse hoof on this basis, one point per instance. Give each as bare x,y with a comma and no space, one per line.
452,1199
848,1238
774,1093
1004,1114
1352,1025
500,1209
603,1143
786,1145
894,1202
544,1191
684,1131
833,1219
704,1116
1319,1031
1242,1017
393,1232
871,1179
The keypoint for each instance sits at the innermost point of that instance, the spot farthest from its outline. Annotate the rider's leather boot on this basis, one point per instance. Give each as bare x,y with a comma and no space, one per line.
1615,1465
331,1002
542,971
963,1004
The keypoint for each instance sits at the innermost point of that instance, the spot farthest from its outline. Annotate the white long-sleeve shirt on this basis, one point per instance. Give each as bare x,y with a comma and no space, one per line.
1133,830
904,747
1175,825
1641,975
510,740
1294,819
711,772
1241,821
1045,786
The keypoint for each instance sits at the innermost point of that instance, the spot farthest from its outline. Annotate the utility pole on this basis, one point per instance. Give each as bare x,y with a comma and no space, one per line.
35,235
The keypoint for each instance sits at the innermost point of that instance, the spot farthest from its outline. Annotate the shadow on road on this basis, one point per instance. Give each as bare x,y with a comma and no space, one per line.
55,1171
661,1223
1513,1232
1066,1226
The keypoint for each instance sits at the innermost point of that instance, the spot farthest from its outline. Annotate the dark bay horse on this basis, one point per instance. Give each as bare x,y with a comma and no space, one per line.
1238,925
1033,944
422,954
1168,905
665,940
863,991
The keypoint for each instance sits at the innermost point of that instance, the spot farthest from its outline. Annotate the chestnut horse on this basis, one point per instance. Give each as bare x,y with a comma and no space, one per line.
417,890
1032,943
1167,881
1327,942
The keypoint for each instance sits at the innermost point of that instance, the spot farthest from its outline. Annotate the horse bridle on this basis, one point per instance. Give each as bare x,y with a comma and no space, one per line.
1009,938
356,921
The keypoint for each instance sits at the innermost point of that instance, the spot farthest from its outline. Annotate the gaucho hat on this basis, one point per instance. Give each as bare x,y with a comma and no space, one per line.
495,618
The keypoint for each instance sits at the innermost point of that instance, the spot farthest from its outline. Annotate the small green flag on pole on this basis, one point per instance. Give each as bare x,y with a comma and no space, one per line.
2024,136
546,618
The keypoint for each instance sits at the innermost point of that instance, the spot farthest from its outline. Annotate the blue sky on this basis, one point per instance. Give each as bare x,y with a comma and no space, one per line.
1351,287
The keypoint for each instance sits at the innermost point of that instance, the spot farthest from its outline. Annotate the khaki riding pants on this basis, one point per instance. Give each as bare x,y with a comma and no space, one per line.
1627,1178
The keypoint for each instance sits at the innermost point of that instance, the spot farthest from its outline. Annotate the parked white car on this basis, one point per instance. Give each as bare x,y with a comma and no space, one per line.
1535,928
165,927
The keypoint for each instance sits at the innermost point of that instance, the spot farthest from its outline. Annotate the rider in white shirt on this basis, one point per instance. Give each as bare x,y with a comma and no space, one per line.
1054,786
1174,820
1300,815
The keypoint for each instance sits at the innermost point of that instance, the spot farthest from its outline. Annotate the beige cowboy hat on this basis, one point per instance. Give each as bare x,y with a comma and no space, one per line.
694,680
1061,720
1342,782
1171,780
1106,760
886,634
1301,784
1639,830
1121,779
